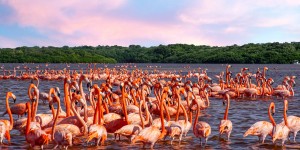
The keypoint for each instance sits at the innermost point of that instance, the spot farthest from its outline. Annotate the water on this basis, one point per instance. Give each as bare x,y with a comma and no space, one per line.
242,113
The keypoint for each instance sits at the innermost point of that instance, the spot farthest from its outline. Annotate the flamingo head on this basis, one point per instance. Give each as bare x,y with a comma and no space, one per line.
57,91
69,138
89,85
13,97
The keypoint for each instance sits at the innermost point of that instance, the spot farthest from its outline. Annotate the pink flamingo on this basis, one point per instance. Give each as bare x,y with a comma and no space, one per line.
201,129
7,125
281,131
263,128
225,124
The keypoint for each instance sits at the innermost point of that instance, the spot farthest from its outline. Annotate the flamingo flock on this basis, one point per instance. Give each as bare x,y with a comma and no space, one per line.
145,107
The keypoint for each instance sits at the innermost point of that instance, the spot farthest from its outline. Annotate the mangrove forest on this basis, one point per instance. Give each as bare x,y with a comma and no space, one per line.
278,53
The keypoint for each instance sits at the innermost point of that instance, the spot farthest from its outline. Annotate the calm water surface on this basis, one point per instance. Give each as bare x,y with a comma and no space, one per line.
242,113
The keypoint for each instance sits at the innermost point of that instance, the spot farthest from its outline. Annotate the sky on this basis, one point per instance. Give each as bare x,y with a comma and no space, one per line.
147,22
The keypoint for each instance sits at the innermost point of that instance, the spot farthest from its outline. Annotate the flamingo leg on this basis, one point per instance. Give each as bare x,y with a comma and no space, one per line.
228,135
295,134
200,141
98,141
180,137
263,138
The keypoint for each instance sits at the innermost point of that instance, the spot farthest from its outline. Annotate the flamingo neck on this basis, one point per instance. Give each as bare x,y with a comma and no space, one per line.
100,110
188,103
124,105
185,113
163,129
157,96
11,120
167,112
284,112
106,108
147,115
134,100
36,103
140,114
272,106
227,76
57,114
80,88
95,121
67,98
80,119
28,118
197,116
92,102
227,107
53,111
178,107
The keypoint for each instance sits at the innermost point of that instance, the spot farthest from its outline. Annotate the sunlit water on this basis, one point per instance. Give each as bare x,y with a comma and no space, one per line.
242,113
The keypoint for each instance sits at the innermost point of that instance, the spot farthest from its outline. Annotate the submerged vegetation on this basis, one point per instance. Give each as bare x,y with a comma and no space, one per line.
279,53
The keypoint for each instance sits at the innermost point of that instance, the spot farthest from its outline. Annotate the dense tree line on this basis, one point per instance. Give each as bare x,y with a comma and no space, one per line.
174,53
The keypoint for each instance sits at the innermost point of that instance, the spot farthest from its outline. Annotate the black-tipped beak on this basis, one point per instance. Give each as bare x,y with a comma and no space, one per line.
50,106
150,106
82,107
223,103
273,114
76,102
89,85
15,100
58,94
33,100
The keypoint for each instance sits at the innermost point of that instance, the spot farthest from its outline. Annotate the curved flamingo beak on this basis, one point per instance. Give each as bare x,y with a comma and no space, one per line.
15,100
89,85
221,130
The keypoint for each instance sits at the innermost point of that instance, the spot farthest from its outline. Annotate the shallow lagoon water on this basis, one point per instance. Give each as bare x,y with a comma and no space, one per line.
243,112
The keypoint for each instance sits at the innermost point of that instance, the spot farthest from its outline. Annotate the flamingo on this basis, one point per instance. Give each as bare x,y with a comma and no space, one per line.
281,131
17,109
201,129
97,130
184,125
67,131
35,136
44,96
42,119
152,134
263,128
131,130
293,123
225,124
7,125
